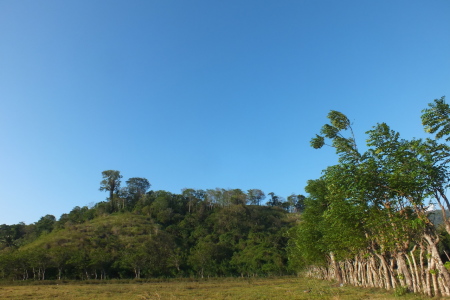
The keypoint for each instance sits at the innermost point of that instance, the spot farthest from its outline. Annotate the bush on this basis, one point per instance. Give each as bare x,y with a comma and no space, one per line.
400,291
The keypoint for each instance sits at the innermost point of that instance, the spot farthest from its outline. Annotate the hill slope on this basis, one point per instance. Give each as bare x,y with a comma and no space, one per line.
208,241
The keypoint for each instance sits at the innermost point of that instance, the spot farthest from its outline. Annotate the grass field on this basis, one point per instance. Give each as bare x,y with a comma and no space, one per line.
221,288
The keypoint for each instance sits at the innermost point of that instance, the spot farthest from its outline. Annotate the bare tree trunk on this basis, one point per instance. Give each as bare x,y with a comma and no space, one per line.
428,274
404,271
370,277
335,266
433,272
386,271
359,276
438,261
442,287
441,193
391,268
415,273
377,282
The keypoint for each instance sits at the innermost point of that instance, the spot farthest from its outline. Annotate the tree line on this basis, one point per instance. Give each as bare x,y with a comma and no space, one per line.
367,220
142,233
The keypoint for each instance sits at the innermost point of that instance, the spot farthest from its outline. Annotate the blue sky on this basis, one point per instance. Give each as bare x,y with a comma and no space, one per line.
201,94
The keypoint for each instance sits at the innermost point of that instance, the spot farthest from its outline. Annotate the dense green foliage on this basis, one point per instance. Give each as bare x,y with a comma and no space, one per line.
367,219
140,234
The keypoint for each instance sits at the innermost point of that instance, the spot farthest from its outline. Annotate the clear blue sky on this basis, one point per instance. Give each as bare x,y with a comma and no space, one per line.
201,94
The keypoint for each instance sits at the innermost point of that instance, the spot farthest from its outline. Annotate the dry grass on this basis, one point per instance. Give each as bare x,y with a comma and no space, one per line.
222,288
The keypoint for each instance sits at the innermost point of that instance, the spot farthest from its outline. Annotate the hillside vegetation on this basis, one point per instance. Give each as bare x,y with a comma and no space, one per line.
152,234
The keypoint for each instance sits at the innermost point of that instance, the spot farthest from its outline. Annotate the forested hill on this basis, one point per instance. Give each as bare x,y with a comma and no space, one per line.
155,234
436,216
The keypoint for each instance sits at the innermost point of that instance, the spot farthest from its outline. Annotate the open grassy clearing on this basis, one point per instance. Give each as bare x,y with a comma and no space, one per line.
222,288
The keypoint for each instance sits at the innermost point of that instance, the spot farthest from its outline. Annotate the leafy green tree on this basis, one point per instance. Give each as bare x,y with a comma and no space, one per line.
80,261
7,236
296,203
259,254
138,185
6,263
307,244
203,257
60,257
135,257
275,200
45,224
111,182
7,240
161,208
190,196
436,118
78,215
12,235
39,260
135,189
101,259
255,196
345,147
376,205
237,196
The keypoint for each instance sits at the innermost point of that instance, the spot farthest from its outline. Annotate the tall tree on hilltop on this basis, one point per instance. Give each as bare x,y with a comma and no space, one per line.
136,187
111,183
296,203
255,196
274,200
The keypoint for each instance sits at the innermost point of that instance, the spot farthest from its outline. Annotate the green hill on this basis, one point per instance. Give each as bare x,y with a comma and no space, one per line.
161,235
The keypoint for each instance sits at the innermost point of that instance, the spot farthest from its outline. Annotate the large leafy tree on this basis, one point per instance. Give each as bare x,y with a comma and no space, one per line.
296,203
377,202
275,200
138,185
45,224
111,182
135,189
255,196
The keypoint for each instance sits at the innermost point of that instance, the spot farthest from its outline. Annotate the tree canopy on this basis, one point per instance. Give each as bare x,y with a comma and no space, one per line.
371,211
142,233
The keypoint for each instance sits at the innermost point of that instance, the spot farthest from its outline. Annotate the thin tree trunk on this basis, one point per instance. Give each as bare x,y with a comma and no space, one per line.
413,277
385,267
413,264
404,270
391,268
